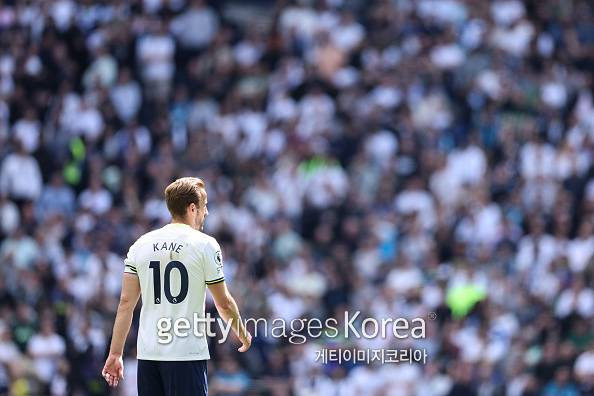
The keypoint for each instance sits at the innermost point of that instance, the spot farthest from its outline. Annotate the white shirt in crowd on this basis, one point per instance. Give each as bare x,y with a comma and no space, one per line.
97,200
126,99
196,27
572,301
584,365
45,349
20,177
155,52
28,132
9,217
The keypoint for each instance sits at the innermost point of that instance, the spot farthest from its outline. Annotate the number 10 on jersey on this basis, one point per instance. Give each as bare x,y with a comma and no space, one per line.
156,267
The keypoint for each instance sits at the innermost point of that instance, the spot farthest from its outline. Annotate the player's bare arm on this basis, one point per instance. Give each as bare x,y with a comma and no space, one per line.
113,371
227,308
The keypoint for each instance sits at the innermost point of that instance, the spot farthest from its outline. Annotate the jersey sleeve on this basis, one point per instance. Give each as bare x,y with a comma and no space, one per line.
129,263
213,263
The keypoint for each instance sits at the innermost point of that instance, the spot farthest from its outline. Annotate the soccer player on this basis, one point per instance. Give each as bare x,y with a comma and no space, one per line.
170,268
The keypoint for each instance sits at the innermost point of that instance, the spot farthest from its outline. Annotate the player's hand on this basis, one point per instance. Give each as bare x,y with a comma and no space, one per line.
246,342
113,371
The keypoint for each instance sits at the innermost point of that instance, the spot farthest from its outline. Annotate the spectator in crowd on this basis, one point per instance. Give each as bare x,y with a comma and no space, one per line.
20,176
47,349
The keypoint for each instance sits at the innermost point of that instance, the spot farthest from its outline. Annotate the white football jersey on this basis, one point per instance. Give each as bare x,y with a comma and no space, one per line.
174,265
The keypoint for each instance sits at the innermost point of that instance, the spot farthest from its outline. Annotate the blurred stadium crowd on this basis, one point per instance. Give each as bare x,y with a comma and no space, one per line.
395,157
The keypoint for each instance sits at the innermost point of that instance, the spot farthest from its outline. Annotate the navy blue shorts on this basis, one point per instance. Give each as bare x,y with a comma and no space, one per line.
159,378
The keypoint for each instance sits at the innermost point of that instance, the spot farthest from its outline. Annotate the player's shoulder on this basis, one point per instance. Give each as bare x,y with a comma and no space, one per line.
197,238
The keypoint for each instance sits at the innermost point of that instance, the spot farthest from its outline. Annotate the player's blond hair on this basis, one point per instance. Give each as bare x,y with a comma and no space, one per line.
182,192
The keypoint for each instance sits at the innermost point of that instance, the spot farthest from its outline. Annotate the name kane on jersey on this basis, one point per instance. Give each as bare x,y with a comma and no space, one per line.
172,246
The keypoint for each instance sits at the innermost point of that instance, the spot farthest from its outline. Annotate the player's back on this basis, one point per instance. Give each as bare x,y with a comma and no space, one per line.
174,264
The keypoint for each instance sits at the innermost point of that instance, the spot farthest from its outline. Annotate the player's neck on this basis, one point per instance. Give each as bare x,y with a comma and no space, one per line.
178,221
